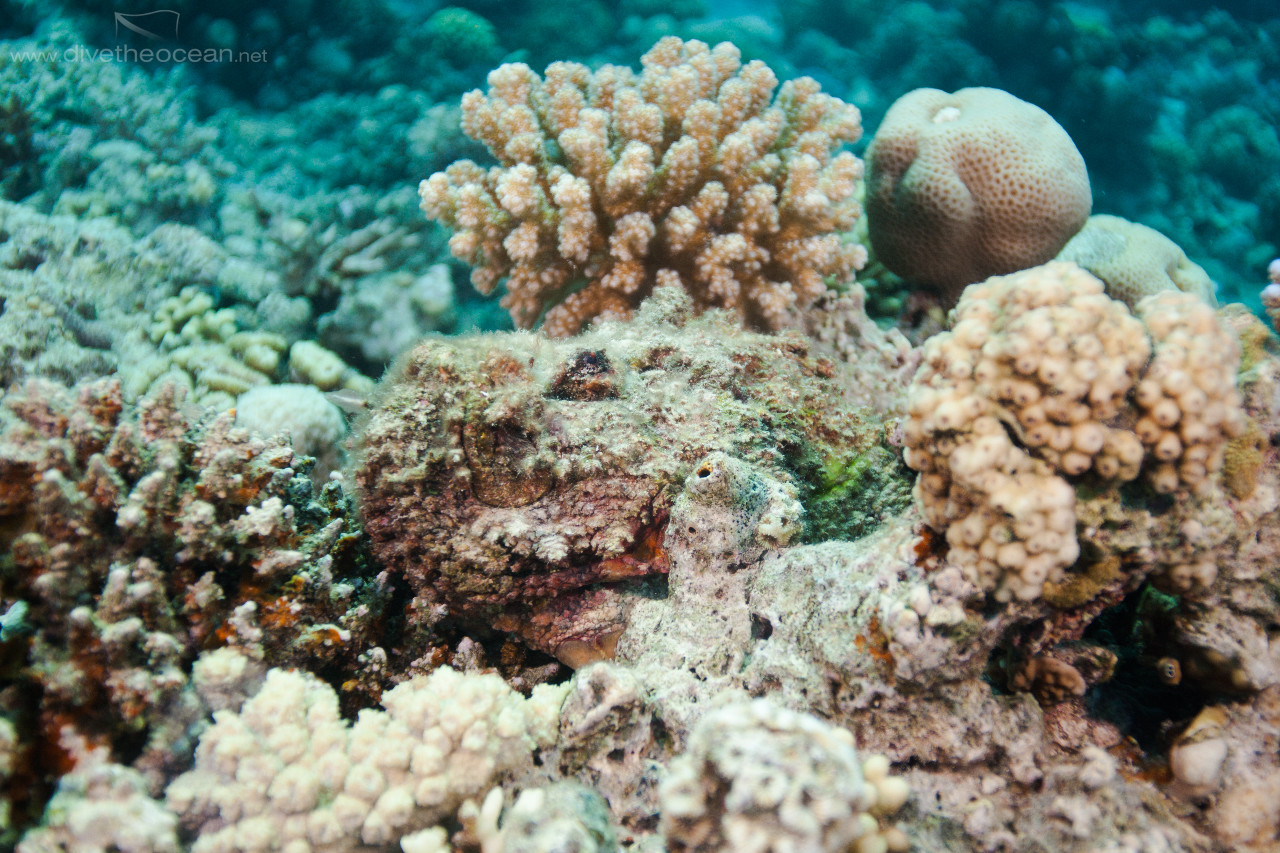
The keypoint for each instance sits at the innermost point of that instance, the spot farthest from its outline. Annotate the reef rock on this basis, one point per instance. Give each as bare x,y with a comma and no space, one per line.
527,484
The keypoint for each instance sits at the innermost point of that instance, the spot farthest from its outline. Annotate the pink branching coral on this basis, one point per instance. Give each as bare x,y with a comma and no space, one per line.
690,172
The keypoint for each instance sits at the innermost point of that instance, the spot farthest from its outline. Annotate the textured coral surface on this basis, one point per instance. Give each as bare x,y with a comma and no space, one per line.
527,484
971,184
691,172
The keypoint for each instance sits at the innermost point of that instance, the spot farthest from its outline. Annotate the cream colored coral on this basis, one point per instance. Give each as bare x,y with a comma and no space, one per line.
972,184
311,363
1135,261
1188,400
223,677
103,806
561,818
189,317
432,840
1042,380
287,772
1022,389
1271,294
757,778
689,172
201,350
314,424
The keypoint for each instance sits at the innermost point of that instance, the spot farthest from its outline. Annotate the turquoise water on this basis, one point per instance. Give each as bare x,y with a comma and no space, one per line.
309,105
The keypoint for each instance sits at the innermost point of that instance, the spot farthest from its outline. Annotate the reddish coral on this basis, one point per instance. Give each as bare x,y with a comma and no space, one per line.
139,537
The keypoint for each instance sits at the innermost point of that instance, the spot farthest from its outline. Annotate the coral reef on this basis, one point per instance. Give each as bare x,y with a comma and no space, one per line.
189,603
106,139
137,537
690,173
182,336
874,637
70,289
382,318
968,185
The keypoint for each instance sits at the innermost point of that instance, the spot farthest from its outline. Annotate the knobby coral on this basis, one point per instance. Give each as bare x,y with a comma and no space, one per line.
1045,382
765,779
287,770
689,172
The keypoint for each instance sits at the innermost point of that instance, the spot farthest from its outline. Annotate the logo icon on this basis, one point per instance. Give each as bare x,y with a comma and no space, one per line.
156,27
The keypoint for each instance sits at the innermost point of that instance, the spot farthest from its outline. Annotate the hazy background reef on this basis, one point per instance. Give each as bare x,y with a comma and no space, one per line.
300,166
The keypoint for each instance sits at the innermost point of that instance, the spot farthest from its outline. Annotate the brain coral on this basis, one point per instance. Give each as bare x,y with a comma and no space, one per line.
972,184
689,172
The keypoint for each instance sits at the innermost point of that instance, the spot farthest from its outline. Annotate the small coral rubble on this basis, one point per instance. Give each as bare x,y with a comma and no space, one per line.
689,172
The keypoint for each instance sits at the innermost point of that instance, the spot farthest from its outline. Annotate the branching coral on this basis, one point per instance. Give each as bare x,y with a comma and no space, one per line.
689,172
137,536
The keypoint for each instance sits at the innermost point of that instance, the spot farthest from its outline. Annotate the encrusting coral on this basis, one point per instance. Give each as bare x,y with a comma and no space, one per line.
690,172
1135,261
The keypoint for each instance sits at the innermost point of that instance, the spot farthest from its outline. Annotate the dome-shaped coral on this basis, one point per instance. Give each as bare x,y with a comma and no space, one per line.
968,185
